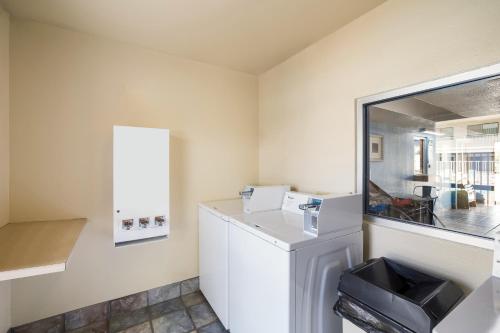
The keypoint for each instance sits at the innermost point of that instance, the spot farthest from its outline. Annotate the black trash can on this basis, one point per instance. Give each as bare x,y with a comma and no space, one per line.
382,296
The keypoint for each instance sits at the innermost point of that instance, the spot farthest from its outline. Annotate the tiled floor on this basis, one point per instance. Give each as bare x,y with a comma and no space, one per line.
481,220
174,308
188,313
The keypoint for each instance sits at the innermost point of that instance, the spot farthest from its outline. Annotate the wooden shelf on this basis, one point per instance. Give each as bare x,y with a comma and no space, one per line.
36,248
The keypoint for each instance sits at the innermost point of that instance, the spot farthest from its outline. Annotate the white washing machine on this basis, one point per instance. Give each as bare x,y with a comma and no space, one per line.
213,230
213,220
283,279
282,266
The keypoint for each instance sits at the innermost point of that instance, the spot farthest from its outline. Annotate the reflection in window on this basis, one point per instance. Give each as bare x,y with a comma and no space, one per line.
446,132
434,158
418,157
482,129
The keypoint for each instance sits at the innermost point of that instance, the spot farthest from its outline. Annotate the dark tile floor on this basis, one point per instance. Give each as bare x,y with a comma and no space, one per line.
188,313
185,314
174,308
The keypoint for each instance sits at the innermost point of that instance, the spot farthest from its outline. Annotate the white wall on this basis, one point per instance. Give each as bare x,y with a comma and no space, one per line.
67,91
307,114
5,287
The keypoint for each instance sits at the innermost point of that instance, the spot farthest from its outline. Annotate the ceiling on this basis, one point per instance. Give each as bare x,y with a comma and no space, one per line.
417,108
481,98
246,35
461,102
380,114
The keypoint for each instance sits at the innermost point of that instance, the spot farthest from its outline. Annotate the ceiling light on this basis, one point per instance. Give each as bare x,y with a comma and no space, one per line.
425,131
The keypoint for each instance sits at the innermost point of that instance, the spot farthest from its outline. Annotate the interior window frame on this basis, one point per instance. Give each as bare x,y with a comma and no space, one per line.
362,153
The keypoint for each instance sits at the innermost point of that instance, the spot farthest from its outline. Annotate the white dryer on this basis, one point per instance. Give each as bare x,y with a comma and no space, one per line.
283,279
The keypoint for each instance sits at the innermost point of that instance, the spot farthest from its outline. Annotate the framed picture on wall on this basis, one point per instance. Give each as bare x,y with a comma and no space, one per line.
376,148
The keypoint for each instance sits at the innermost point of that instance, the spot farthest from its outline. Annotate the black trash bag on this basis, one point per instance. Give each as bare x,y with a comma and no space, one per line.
383,296
367,319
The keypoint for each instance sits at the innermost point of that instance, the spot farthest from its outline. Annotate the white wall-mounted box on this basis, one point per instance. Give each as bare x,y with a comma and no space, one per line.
141,193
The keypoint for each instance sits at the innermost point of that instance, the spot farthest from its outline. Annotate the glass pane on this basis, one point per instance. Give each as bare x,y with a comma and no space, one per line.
417,157
434,157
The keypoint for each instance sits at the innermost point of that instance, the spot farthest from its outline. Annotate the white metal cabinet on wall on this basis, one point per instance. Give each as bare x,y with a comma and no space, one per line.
141,191
213,253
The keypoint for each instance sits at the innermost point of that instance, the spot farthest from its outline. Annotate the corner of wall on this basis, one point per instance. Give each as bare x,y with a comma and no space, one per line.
259,118
5,286
4,116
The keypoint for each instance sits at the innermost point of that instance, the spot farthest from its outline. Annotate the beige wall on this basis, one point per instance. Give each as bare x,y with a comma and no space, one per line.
466,265
307,116
67,91
4,117
5,287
